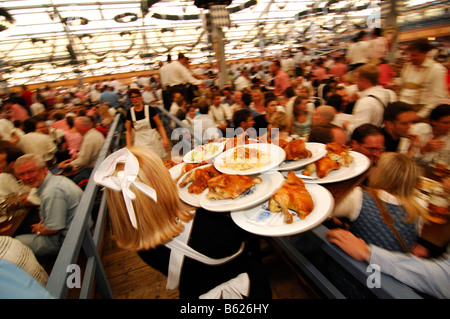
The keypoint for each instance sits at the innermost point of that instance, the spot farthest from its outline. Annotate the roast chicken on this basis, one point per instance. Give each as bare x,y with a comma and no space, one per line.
338,155
321,167
296,149
226,186
198,179
292,195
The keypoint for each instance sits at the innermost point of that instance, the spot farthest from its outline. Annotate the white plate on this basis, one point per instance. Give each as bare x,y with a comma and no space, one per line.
323,206
359,165
190,198
276,153
188,157
175,171
318,151
260,192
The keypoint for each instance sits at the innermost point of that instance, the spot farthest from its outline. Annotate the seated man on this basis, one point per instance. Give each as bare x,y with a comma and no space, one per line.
434,137
91,146
398,119
34,142
59,200
220,113
243,120
368,139
9,183
204,126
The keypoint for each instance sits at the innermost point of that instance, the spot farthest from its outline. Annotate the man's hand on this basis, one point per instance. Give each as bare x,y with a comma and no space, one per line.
40,229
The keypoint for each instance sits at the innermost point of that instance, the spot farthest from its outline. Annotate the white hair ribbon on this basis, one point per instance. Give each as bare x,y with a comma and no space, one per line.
122,182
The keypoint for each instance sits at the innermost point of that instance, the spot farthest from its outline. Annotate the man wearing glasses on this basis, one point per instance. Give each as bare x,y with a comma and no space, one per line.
368,139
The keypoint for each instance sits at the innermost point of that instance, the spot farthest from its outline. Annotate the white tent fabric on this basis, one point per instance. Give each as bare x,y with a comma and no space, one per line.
58,39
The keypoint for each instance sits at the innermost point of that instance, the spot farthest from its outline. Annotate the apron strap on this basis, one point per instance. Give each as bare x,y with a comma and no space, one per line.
133,115
387,218
179,249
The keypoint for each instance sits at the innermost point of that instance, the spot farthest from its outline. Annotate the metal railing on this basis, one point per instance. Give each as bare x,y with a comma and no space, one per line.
81,239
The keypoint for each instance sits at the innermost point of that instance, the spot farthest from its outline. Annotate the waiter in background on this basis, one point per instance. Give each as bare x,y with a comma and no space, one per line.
176,78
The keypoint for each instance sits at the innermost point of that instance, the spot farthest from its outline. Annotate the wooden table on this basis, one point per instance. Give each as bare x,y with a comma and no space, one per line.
9,227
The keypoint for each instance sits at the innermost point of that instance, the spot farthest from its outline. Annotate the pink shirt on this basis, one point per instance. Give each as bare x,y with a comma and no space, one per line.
74,140
61,124
386,74
339,70
18,112
281,82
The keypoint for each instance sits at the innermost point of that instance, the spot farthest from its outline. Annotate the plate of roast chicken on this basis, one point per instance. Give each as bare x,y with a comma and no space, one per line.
299,153
269,202
338,164
294,207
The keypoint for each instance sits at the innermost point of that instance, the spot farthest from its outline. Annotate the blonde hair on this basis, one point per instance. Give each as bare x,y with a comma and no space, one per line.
281,121
369,72
261,95
398,175
157,222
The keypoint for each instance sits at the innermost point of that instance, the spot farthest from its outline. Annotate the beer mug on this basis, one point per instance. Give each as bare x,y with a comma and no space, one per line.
441,163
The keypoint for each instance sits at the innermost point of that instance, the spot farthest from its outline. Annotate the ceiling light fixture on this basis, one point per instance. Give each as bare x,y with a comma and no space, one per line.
125,33
74,21
38,41
85,35
6,20
126,17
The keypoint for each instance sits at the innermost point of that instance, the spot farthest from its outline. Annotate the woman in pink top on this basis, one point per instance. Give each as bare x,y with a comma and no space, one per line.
73,138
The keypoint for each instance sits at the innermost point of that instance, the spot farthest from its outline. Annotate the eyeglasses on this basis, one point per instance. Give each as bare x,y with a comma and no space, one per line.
134,96
374,149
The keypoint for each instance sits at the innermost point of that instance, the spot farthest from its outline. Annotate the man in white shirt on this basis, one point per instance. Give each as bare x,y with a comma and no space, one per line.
434,137
369,108
178,76
8,181
423,80
6,129
164,69
95,93
220,113
378,45
204,126
358,52
242,81
148,97
35,142
37,107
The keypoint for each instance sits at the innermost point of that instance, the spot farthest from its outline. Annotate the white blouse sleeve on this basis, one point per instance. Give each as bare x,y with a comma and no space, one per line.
350,206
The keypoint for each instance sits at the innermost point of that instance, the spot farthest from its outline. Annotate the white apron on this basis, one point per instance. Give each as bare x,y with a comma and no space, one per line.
145,135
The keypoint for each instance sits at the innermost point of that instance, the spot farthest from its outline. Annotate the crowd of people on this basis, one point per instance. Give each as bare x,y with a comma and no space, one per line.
392,112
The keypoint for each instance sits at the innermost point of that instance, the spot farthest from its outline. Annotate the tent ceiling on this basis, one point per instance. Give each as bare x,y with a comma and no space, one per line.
41,47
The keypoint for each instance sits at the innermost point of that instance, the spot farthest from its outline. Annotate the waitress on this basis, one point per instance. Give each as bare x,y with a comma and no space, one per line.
144,122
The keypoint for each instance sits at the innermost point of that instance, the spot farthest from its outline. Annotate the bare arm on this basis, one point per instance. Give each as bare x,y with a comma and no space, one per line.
128,132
